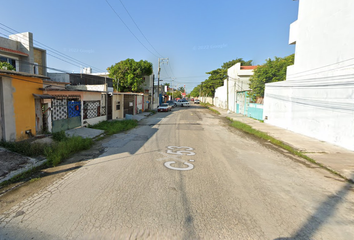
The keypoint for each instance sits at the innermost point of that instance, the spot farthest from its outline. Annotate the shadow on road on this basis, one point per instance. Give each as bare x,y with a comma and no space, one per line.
322,214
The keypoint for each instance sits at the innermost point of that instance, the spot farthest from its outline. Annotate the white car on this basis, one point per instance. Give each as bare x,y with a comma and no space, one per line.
183,103
164,107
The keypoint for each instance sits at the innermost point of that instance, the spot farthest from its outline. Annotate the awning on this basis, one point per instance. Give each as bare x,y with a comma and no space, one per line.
44,96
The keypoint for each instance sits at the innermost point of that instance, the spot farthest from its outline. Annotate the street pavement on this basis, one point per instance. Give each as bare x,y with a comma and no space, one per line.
186,174
333,157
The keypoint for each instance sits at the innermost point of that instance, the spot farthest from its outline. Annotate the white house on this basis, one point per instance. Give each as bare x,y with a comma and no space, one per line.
317,98
231,95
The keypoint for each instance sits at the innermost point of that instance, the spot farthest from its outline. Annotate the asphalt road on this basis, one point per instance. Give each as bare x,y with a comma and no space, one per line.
187,175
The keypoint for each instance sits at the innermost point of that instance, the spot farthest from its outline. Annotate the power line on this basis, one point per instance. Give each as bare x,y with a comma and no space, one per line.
139,28
129,29
69,58
325,66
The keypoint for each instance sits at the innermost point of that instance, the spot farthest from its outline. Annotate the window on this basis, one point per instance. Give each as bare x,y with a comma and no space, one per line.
35,68
8,60
91,109
118,105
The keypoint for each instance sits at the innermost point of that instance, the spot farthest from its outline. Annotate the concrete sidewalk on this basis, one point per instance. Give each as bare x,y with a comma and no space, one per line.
334,157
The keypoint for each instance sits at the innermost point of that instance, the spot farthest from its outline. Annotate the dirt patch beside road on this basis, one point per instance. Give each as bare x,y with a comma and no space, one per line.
10,161
19,191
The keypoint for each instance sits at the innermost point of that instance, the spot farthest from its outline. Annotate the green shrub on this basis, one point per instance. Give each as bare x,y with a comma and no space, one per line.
62,150
25,148
59,136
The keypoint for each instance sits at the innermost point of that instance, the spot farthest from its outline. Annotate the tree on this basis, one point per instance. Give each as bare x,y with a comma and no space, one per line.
177,94
196,91
216,78
181,89
128,75
7,66
271,71
229,64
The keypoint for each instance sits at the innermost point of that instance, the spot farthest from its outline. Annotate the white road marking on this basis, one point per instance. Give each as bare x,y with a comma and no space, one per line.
168,165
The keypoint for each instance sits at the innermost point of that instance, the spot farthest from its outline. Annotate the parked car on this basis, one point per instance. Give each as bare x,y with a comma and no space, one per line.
183,103
164,107
196,101
172,103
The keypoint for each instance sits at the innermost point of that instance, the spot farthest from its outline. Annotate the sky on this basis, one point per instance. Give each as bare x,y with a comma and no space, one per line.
195,36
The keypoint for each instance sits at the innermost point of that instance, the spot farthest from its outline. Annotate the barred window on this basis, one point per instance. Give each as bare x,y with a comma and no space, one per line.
91,109
60,109
103,104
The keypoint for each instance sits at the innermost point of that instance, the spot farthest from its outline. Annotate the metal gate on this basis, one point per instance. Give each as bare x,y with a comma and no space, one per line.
66,113
129,104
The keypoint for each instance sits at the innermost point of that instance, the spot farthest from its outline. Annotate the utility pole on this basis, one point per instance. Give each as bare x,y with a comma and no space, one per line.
161,60
172,89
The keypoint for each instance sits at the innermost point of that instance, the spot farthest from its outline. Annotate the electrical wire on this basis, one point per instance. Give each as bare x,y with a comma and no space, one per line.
139,29
325,66
72,60
344,106
129,29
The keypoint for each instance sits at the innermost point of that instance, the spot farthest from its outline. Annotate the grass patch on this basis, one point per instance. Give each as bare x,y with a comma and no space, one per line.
59,136
55,153
25,148
113,127
208,106
248,129
35,179
63,149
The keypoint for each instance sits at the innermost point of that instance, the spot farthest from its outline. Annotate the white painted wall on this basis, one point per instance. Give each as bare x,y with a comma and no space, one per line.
8,114
239,80
92,96
317,98
139,103
220,99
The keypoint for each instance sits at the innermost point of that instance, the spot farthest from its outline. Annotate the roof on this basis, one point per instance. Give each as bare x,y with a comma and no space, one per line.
43,96
7,50
248,67
9,72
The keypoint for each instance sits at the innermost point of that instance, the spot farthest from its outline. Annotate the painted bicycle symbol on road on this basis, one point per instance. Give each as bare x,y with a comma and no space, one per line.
173,152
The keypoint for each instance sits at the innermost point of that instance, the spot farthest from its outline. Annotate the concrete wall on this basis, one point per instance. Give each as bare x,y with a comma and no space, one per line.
1,111
59,77
10,44
40,57
101,87
18,106
93,96
220,99
25,44
317,98
239,80
117,114
8,111
139,103
24,104
209,100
